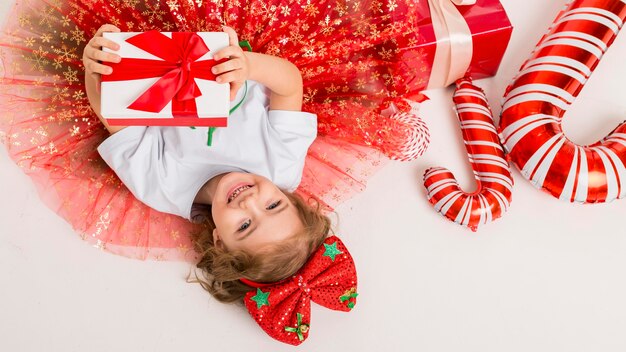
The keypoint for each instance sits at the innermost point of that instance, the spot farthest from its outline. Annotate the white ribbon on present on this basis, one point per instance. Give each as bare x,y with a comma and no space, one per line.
453,54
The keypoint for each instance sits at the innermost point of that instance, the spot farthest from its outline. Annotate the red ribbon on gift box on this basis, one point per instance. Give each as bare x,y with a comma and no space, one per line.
450,35
454,51
177,72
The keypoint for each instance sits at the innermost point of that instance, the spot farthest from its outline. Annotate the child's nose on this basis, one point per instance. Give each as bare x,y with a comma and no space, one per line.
248,200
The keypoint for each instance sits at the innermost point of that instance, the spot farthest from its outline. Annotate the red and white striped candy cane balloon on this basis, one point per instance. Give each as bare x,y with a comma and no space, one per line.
538,98
493,175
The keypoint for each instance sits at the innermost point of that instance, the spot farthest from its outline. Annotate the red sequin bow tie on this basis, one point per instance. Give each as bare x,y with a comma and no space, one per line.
283,309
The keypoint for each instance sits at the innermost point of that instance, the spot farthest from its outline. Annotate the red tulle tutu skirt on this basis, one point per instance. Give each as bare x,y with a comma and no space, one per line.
346,51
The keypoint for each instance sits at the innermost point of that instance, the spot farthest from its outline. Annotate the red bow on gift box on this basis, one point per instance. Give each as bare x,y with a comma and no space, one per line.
283,309
177,71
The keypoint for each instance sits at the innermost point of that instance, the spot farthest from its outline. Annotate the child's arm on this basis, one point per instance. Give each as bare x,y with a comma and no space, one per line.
92,56
279,75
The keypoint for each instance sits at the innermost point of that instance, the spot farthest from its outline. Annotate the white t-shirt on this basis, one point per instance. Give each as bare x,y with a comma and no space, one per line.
165,167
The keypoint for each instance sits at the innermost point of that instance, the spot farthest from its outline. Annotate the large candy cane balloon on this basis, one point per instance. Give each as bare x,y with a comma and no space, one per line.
540,95
493,195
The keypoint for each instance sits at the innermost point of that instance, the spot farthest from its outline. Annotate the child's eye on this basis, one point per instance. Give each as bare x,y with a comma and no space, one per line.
244,226
273,205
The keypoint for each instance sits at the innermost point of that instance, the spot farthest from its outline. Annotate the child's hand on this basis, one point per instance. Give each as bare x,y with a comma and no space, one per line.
234,71
93,54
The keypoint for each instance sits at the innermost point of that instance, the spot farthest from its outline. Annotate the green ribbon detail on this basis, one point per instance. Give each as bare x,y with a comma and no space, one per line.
345,298
351,293
300,328
212,129
209,139
243,44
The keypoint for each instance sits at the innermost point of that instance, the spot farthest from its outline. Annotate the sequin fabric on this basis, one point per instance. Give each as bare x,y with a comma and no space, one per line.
347,51
328,279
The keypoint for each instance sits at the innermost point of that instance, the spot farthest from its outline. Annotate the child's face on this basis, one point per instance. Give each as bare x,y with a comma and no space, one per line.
249,212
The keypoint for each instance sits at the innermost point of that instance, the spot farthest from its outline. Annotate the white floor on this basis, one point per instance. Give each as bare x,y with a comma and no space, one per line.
548,276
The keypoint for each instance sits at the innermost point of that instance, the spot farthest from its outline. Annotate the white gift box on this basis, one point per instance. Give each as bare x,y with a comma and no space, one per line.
212,107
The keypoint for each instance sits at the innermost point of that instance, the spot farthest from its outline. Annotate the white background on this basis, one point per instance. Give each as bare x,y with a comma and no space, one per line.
548,276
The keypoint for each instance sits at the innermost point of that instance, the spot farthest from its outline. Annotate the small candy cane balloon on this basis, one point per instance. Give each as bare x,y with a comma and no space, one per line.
538,98
493,175
418,137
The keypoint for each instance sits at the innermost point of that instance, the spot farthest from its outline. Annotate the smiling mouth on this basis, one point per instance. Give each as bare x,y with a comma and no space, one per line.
237,191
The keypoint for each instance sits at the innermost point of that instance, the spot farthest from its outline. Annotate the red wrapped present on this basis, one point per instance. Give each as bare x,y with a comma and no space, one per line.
455,37
165,79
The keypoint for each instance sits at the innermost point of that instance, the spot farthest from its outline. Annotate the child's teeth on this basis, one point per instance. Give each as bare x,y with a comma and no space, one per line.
237,191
